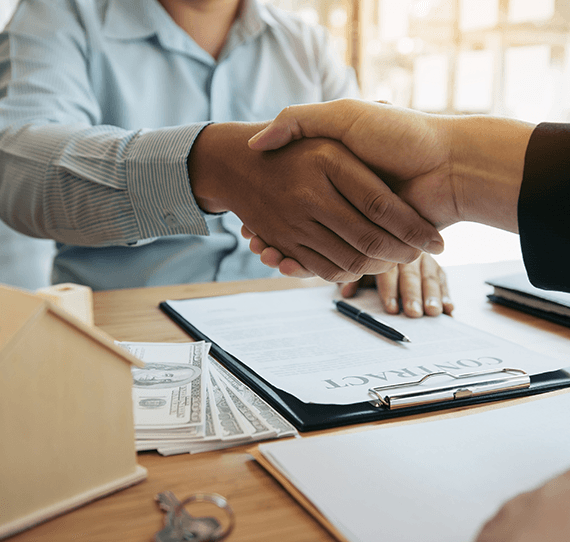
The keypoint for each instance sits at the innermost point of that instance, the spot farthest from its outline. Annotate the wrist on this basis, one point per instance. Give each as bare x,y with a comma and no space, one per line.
487,161
216,159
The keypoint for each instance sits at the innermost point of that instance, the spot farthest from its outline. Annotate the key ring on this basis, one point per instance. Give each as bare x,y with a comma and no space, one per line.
213,498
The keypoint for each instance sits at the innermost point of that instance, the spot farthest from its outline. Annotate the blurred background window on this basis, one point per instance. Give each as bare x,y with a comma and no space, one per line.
499,57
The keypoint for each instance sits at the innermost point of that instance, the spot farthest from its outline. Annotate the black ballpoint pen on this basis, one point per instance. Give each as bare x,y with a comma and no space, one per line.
370,322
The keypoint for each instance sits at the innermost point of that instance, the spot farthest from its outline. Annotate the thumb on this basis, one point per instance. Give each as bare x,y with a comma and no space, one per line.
299,121
276,135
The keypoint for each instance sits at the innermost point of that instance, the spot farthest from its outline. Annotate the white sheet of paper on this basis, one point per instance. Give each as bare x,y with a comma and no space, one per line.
299,342
434,481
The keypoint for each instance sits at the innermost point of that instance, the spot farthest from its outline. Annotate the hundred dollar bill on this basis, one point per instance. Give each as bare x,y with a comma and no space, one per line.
212,433
245,413
212,427
210,430
169,391
228,417
270,416
227,424
257,428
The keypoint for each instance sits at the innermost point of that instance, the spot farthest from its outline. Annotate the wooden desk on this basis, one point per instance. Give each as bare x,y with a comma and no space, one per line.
263,509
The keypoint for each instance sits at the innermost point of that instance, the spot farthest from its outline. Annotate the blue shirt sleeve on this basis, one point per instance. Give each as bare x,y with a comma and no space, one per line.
63,175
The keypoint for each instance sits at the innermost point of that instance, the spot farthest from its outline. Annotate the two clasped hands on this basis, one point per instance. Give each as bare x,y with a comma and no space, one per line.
370,186
354,188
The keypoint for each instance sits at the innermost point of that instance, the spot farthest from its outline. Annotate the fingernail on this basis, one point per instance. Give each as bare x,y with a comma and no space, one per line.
448,304
433,247
435,304
253,140
392,305
346,289
414,308
301,274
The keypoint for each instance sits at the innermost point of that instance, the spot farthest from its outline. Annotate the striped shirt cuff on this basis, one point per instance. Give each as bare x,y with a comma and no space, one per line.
158,182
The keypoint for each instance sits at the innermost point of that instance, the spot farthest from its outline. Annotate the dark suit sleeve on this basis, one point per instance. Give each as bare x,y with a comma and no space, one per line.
544,207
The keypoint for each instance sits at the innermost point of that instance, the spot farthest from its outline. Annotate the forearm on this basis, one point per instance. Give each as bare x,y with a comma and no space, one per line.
97,186
487,163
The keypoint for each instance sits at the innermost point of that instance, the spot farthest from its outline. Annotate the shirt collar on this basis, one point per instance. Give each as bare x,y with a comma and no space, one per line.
129,23
249,24
141,19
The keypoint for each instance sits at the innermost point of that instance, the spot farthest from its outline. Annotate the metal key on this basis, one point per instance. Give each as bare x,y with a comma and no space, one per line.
168,502
180,526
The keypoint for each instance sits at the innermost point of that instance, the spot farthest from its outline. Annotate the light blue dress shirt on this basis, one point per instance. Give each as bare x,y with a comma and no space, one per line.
100,103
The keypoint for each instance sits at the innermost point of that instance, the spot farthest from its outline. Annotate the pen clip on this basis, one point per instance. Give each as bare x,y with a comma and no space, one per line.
514,379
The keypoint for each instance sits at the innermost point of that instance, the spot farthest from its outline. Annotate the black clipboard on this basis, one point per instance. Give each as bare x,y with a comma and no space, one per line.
312,416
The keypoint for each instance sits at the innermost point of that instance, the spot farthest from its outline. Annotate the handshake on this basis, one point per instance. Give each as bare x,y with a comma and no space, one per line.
352,188
423,172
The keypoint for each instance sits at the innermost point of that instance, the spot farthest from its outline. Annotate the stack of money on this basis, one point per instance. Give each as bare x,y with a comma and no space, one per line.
184,401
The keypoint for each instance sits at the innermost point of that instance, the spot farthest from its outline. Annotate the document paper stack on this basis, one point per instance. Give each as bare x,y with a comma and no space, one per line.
184,401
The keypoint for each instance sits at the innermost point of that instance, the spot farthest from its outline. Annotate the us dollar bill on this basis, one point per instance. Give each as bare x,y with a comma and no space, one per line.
257,427
267,413
169,391
212,428
212,433
228,417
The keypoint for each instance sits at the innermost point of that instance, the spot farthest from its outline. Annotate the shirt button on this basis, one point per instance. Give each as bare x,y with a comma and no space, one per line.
171,220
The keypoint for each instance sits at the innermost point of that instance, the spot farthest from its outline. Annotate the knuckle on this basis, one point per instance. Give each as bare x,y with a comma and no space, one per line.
410,274
346,276
379,267
330,272
303,201
304,196
415,235
287,113
358,265
410,256
382,209
373,243
378,207
337,275
326,153
431,281
377,244
362,265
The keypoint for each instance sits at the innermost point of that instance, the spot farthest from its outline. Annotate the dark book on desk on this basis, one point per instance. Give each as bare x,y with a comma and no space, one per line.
516,291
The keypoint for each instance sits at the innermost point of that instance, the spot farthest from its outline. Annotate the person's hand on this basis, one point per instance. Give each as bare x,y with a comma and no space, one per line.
419,287
449,168
314,201
408,150
536,516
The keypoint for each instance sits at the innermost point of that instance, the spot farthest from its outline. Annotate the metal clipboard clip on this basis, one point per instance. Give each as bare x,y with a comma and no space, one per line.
514,379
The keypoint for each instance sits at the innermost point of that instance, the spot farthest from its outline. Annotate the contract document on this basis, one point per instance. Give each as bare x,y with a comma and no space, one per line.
297,341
